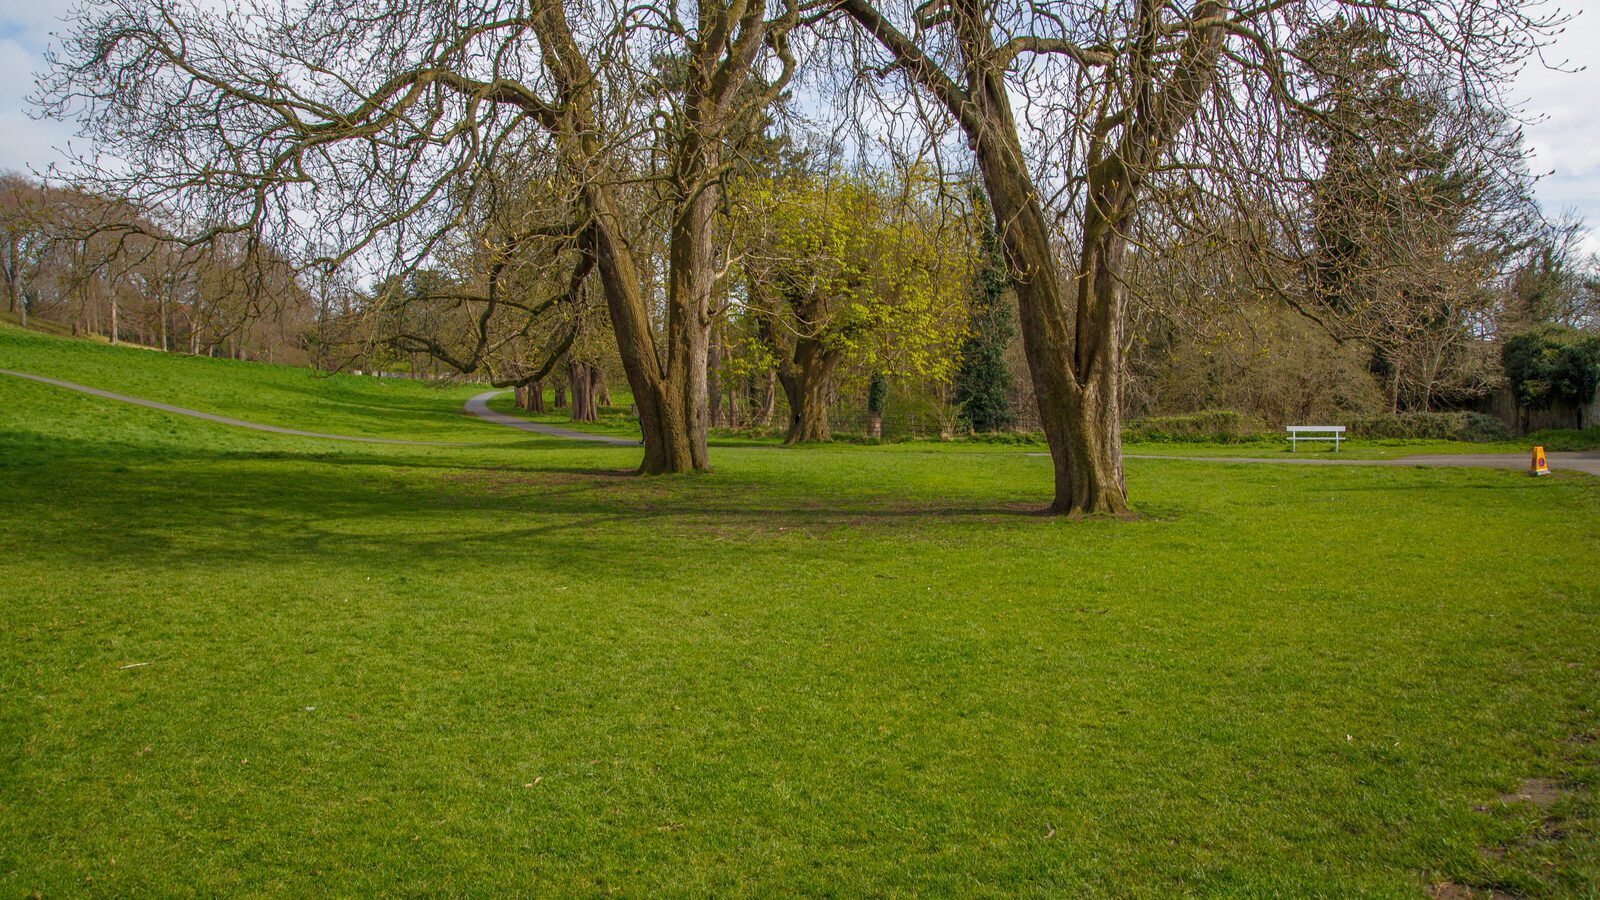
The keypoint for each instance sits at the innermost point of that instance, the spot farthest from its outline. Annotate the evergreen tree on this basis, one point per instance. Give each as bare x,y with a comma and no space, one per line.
982,378
1410,215
1553,363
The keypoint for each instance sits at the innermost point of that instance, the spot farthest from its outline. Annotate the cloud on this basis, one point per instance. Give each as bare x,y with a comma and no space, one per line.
33,21
25,142
1564,135
1563,106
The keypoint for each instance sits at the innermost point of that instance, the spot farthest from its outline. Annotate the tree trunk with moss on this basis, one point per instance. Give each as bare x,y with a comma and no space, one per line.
805,370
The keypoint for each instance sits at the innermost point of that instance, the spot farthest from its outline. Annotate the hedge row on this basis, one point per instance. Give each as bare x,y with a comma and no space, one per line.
1213,426
1433,426
1228,427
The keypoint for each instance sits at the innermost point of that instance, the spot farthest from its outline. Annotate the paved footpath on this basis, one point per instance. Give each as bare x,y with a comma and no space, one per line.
224,420
1587,461
479,406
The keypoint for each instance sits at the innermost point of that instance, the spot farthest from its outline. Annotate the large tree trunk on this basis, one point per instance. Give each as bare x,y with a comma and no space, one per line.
1078,410
807,382
530,397
583,399
689,303
805,365
714,387
663,420
808,410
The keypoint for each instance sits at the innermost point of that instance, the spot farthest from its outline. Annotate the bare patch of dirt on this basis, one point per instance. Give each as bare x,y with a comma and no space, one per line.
1449,890
1541,792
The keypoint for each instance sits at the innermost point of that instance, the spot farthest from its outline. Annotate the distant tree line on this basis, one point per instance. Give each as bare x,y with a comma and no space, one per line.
97,265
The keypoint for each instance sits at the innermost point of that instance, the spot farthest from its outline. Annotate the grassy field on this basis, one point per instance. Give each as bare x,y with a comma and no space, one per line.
272,395
617,421
614,420
234,662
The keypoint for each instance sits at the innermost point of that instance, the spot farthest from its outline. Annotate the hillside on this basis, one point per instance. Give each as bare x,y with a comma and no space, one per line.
260,392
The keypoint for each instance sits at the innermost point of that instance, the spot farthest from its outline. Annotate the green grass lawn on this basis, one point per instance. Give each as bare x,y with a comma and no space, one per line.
615,420
272,395
234,662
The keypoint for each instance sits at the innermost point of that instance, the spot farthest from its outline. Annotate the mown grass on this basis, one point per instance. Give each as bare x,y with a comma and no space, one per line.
234,662
615,420
272,395
618,421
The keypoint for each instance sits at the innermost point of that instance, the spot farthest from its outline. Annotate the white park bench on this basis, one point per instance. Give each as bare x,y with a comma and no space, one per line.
1298,433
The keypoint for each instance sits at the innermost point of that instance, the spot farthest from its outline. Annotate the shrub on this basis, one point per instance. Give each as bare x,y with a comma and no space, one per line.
1223,426
1431,426
1482,428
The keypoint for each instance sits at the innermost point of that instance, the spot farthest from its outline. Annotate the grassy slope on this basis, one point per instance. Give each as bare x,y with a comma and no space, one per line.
511,668
271,395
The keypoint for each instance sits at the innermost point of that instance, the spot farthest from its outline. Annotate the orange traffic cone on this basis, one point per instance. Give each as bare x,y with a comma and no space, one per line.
1538,467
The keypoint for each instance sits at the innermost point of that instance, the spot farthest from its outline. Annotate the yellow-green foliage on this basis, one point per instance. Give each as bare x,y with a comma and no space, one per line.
873,266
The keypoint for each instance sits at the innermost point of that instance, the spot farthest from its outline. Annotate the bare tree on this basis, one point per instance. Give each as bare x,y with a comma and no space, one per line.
23,242
1138,118
353,130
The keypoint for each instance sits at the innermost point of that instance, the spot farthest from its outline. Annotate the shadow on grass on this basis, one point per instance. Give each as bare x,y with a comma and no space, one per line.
93,502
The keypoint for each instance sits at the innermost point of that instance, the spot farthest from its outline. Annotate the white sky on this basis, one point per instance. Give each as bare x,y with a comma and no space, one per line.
1564,134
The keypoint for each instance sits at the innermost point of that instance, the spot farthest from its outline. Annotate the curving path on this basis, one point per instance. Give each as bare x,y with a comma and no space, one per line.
1587,461
223,420
479,406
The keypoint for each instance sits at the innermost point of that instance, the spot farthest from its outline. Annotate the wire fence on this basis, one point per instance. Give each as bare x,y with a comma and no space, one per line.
455,377
929,422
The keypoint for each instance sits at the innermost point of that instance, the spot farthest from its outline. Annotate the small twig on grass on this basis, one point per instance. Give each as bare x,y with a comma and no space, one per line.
133,665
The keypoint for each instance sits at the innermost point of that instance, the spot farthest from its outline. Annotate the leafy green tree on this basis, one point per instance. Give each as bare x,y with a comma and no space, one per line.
864,270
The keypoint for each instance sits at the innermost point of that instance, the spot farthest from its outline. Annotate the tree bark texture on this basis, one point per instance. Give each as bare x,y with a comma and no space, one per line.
1075,363
581,376
805,370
